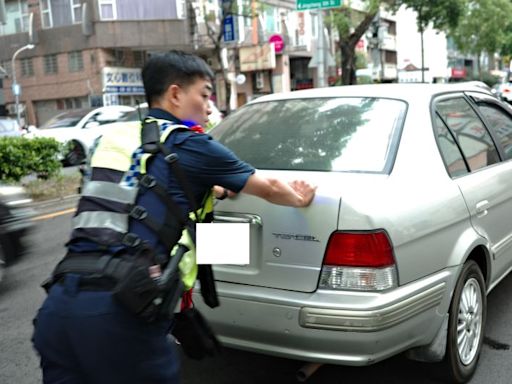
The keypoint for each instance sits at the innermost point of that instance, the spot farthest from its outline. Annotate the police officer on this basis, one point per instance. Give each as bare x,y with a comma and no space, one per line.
136,204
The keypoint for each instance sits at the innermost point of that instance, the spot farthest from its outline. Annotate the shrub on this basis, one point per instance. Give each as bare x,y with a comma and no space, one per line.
21,157
55,187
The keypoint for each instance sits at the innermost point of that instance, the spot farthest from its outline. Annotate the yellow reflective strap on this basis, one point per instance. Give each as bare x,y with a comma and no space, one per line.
187,265
144,162
115,149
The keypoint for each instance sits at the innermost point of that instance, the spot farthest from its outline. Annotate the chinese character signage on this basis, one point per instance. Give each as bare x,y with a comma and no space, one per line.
124,81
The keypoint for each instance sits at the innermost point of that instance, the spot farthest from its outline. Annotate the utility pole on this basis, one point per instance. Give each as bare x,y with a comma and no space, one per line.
321,50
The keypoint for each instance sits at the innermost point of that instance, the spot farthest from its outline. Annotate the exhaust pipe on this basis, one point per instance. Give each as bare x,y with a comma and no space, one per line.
306,371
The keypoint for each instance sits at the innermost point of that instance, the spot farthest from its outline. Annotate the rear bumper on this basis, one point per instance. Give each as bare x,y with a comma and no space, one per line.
352,328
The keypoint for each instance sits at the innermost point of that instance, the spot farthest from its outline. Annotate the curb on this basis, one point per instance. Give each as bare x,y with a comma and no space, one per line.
52,205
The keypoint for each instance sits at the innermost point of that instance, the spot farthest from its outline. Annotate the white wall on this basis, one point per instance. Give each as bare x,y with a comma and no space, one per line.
408,42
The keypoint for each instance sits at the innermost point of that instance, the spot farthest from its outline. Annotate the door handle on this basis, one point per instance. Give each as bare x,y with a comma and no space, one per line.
481,208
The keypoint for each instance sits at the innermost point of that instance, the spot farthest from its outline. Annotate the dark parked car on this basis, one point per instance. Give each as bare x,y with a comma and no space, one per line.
15,222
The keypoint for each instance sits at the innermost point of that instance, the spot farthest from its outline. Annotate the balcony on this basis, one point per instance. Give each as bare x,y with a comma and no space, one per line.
388,42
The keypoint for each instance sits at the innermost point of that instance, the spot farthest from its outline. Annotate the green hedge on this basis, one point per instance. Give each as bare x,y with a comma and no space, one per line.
21,157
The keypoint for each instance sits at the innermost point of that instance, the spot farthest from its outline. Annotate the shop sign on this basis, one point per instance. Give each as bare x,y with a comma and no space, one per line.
458,73
127,81
259,58
278,43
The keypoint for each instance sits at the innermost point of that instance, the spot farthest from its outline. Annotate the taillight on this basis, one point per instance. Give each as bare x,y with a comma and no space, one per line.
359,261
506,90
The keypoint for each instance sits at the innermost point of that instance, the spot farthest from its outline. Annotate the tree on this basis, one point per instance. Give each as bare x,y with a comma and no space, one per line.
351,25
442,14
484,29
214,31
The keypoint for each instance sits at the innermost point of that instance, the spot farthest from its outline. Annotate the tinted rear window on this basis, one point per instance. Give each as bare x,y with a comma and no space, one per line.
324,134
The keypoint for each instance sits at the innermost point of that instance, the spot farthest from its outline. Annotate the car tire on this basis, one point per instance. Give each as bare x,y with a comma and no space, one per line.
466,325
76,154
3,262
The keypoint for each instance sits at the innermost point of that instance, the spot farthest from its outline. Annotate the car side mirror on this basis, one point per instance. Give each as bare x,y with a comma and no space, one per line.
92,124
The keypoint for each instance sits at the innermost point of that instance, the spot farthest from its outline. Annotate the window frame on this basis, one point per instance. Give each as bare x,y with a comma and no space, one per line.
51,64
46,11
479,98
27,67
113,4
73,55
74,6
434,113
22,16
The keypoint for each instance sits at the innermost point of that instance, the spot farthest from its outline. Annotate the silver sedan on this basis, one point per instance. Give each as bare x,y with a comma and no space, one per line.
409,231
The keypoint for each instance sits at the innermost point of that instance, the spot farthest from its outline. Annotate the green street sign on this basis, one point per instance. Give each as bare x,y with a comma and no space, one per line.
303,5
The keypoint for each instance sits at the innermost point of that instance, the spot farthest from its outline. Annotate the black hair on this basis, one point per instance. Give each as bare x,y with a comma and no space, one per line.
175,67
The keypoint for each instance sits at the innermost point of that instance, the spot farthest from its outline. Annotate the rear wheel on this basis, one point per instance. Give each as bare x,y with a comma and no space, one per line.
76,154
466,324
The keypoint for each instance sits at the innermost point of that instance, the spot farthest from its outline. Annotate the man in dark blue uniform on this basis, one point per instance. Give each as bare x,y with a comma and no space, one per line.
82,334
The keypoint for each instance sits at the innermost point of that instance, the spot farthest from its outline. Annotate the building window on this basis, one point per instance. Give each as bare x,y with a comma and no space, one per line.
27,67
75,61
50,64
76,11
139,58
16,17
390,57
46,13
6,65
107,9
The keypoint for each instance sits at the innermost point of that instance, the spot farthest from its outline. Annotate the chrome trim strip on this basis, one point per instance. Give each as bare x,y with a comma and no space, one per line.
97,219
501,245
110,191
372,321
225,217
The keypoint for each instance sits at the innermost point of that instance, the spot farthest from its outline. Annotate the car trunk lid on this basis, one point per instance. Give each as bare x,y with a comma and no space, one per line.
287,244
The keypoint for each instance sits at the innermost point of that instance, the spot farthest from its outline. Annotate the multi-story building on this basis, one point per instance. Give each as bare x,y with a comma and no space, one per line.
89,52
379,45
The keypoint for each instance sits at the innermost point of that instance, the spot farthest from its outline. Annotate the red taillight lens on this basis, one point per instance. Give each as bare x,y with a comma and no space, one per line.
359,249
506,90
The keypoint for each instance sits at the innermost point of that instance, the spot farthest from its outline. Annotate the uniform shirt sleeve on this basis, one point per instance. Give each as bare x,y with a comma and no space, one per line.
211,163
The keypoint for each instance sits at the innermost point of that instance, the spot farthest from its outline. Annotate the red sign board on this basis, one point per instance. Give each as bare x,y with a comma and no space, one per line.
278,42
459,73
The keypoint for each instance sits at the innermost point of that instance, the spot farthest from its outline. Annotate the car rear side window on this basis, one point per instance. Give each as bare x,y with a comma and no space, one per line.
469,132
500,123
321,134
452,157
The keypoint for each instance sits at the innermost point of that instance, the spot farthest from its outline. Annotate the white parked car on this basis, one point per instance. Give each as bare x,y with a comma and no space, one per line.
79,129
141,111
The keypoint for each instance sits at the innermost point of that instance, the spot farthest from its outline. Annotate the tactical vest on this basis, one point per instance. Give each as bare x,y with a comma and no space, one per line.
118,176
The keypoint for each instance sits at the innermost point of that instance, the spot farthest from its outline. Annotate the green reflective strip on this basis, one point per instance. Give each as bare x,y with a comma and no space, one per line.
110,191
97,219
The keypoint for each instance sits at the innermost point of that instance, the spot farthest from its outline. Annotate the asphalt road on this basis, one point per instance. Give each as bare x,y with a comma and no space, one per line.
21,296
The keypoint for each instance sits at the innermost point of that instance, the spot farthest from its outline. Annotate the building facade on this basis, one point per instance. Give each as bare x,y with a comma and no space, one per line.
90,52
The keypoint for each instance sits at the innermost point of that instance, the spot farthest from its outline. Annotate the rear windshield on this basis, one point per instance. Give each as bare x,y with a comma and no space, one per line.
324,134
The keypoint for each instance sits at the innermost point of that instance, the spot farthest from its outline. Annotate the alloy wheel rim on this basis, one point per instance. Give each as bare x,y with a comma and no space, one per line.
469,321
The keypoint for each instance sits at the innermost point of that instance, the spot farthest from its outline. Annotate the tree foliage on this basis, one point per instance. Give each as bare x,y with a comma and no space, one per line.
485,26
442,14
351,25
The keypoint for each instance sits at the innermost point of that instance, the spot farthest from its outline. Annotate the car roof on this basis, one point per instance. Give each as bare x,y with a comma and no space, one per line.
403,91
